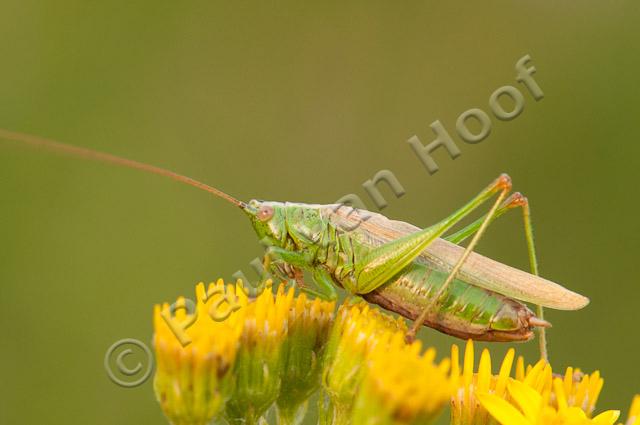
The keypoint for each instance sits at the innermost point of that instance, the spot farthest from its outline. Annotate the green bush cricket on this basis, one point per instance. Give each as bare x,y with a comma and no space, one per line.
418,273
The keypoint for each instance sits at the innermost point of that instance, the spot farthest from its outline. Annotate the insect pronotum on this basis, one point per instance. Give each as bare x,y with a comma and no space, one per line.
418,273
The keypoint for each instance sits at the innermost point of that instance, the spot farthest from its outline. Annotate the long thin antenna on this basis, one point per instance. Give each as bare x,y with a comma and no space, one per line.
85,153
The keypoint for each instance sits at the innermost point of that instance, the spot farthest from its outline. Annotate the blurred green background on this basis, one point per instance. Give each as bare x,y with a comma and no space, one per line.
300,103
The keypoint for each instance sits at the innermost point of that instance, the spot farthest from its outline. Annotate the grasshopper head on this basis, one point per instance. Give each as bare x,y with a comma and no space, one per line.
268,220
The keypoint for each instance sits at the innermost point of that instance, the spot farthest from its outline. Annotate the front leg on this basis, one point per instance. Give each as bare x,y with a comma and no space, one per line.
275,263
303,261
297,259
285,272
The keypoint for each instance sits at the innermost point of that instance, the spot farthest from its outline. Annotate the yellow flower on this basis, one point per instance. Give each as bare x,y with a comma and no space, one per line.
228,355
231,356
529,407
402,386
465,407
194,354
308,325
358,329
259,364
579,390
582,390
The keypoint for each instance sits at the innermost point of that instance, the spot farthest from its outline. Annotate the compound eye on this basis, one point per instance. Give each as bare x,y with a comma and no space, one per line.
265,213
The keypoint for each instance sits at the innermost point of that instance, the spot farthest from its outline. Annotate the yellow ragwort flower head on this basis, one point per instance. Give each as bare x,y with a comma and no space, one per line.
194,354
357,330
579,390
308,325
465,406
402,386
233,356
259,363
582,390
529,407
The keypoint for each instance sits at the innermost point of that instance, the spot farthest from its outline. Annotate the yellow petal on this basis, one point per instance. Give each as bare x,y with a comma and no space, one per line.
609,417
502,411
505,371
527,398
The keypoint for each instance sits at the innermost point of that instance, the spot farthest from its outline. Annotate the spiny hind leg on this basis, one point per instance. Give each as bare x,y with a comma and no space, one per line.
516,200
485,221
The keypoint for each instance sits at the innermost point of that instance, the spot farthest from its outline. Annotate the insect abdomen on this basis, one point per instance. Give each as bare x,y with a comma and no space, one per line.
462,310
